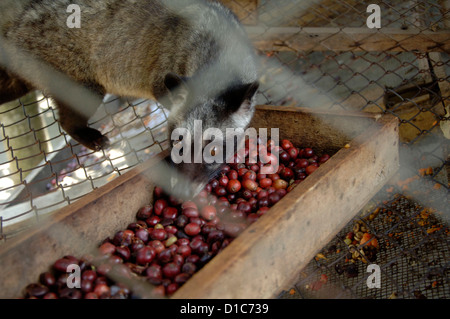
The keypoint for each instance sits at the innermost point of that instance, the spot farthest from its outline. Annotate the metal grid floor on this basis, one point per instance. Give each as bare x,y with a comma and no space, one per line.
413,254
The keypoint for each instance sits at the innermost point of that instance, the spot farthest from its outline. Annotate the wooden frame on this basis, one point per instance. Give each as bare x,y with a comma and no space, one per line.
348,39
268,254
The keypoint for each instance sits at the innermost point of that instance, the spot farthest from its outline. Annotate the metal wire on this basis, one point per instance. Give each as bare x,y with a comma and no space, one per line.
413,256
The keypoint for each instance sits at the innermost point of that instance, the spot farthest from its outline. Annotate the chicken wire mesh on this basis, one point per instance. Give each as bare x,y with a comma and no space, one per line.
43,169
317,54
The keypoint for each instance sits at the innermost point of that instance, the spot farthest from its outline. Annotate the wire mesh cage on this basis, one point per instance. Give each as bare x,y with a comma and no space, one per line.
43,169
316,54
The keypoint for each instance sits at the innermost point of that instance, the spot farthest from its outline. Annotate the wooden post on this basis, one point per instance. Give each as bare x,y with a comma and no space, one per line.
439,70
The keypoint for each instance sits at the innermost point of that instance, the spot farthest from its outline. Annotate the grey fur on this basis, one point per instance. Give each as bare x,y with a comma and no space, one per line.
193,56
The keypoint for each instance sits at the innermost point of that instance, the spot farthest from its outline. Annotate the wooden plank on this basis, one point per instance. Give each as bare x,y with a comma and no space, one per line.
268,255
438,66
348,39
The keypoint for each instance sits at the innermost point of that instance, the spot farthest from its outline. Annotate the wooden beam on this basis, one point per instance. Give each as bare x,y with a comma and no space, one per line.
348,39
270,253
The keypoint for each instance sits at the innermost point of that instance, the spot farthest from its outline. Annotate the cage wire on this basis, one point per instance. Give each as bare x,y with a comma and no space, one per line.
314,54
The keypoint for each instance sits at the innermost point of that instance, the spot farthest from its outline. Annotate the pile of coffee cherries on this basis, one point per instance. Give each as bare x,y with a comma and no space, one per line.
171,240
93,283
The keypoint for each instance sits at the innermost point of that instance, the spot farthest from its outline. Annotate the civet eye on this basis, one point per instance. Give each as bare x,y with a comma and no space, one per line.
213,152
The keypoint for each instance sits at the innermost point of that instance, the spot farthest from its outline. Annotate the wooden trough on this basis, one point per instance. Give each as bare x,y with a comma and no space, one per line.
267,256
